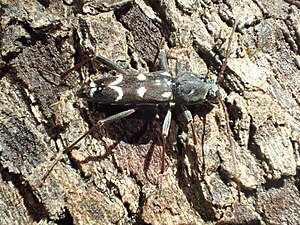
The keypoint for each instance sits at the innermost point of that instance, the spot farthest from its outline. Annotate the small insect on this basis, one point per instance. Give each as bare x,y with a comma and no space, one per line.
153,88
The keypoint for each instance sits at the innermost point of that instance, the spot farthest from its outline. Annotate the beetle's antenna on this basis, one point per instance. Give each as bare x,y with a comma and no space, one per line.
77,66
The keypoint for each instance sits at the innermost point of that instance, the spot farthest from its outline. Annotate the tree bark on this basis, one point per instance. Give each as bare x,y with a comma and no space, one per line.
112,176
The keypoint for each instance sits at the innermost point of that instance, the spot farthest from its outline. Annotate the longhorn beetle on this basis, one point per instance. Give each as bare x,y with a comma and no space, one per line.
153,88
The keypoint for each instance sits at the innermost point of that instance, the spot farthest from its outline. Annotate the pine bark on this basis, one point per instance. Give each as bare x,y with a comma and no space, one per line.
112,176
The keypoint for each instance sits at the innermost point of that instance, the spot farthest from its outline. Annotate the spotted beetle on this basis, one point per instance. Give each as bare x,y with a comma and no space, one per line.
154,88
151,89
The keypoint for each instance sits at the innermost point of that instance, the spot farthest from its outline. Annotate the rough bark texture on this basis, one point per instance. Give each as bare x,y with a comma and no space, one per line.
111,177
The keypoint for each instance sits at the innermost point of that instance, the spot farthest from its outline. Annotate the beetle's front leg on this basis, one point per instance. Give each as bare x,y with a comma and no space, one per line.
182,57
164,56
165,133
189,118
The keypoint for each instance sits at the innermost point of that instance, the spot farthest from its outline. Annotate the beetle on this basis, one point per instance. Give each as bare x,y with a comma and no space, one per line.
153,88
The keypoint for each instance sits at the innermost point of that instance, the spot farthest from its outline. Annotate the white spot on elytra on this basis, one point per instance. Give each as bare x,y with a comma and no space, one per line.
92,91
167,94
158,82
113,85
119,91
92,84
141,91
141,77
117,81
93,88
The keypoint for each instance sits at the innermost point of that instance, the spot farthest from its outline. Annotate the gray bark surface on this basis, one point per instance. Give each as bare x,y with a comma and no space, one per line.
111,176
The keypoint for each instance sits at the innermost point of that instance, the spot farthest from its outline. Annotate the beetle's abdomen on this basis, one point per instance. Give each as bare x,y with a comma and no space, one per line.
147,89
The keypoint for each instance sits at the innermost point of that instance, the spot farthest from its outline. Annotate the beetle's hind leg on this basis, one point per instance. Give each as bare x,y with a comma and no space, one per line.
112,65
100,123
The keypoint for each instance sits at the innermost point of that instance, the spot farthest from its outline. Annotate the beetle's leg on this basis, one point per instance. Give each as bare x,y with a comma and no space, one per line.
178,68
112,65
203,145
63,75
165,132
180,55
163,59
189,117
77,66
100,123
